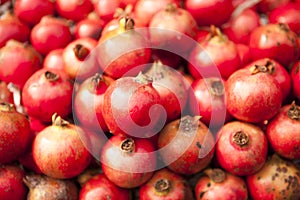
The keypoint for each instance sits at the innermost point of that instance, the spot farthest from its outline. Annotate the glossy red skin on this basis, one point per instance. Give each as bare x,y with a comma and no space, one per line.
231,188
75,10
11,183
283,134
31,11
42,98
5,94
280,74
88,104
128,170
125,95
266,6
275,177
89,28
49,34
99,187
288,14
14,133
54,60
175,142
208,12
212,48
179,189
106,8
244,53
59,152
295,74
272,41
12,28
204,102
75,67
238,160
237,31
251,100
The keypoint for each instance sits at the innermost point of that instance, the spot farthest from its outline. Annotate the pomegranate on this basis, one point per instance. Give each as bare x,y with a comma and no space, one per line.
165,184
12,28
26,62
278,179
218,184
91,28
266,6
241,148
11,183
186,145
128,162
31,11
49,34
106,8
206,56
251,100
131,106
99,187
43,187
295,74
54,60
275,41
65,156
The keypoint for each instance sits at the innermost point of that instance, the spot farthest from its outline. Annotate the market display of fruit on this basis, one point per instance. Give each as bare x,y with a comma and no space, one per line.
149,99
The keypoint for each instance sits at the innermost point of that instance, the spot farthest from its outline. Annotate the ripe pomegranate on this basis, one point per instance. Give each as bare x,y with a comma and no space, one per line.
283,132
250,99
106,8
123,51
47,92
11,183
14,133
131,106
278,179
208,12
186,145
295,74
58,150
128,162
206,56
99,187
49,34
12,28
237,142
91,28
77,63
31,11
25,62
5,94
275,41
43,187
165,184
54,60
75,10
218,184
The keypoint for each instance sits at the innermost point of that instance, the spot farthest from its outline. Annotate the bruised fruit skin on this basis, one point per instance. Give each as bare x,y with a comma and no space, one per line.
99,187
11,183
278,179
217,184
58,150
241,148
187,145
283,132
164,185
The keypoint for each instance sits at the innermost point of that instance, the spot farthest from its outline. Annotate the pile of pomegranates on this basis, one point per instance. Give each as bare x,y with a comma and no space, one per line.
149,99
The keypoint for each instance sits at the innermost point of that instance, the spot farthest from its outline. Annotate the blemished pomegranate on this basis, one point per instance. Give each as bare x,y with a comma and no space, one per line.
283,132
218,184
250,99
44,187
58,150
241,148
278,179
166,184
99,187
128,162
47,92
188,145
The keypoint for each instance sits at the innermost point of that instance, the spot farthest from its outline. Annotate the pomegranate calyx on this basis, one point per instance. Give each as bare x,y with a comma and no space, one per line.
58,121
284,27
171,7
156,72
50,76
293,112
126,23
189,125
120,12
240,138
143,78
81,52
267,68
95,82
216,32
162,186
216,88
31,181
216,175
127,145
7,107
